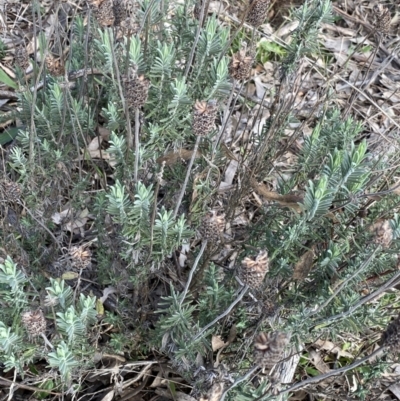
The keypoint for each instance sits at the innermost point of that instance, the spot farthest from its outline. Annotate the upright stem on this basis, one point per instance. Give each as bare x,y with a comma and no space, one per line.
196,147
192,270
196,40
137,144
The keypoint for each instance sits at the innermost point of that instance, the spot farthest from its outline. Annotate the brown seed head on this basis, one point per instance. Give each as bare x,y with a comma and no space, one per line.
212,226
81,258
257,12
120,12
197,9
391,336
269,348
9,190
34,322
103,11
252,272
54,66
383,233
136,91
21,57
383,19
240,65
204,116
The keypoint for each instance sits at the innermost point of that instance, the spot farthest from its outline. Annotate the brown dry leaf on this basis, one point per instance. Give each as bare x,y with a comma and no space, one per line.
291,201
174,157
109,396
231,172
231,338
95,143
215,393
395,389
331,347
8,71
77,221
104,133
317,361
99,154
217,343
304,265
178,396
106,293
396,188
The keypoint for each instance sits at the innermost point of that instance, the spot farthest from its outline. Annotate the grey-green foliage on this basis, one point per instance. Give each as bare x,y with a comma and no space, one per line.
175,331
55,112
215,297
165,234
344,175
73,322
335,174
304,39
181,319
63,359
12,288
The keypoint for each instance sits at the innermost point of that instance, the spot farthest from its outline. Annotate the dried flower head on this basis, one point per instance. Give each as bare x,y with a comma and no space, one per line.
204,117
103,11
252,272
34,322
391,336
269,308
269,348
257,12
21,57
120,12
9,190
212,226
54,66
383,233
197,10
81,257
136,91
240,65
383,18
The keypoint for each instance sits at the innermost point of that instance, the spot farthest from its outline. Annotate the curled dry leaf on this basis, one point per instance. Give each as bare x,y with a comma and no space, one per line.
107,292
70,219
95,143
217,343
318,362
291,201
109,396
215,392
231,338
183,253
172,158
331,347
304,265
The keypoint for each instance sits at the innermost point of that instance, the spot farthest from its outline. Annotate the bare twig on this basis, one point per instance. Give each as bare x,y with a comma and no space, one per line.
336,372
189,169
226,312
345,283
192,270
389,284
239,380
